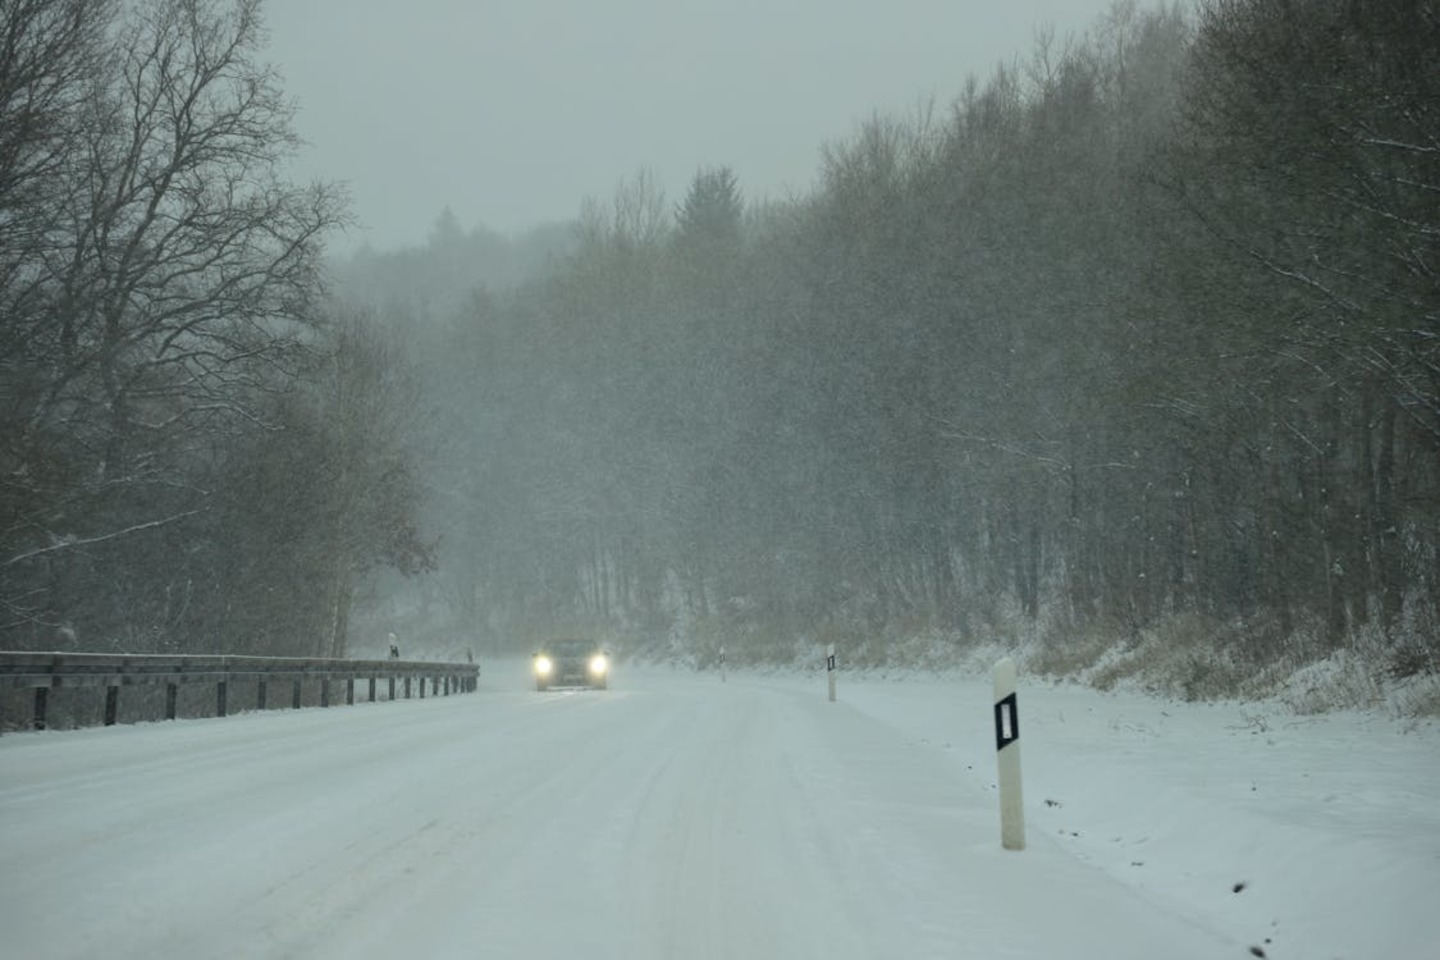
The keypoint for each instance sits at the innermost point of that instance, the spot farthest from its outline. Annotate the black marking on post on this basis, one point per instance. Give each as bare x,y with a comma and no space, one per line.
1007,722
830,662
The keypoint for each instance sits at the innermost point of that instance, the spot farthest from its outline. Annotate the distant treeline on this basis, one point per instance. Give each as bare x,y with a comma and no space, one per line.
1139,337
1138,334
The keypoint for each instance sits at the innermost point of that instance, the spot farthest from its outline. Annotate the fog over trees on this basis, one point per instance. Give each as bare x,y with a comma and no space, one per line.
1135,341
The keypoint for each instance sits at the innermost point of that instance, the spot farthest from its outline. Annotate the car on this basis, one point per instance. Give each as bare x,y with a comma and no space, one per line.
571,663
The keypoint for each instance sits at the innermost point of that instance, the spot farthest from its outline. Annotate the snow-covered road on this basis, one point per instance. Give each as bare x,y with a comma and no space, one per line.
678,817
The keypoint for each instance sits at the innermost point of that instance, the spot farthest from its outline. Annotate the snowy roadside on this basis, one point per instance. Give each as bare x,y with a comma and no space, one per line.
677,815
1303,836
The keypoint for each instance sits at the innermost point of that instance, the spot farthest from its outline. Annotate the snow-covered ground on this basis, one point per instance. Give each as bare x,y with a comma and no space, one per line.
678,817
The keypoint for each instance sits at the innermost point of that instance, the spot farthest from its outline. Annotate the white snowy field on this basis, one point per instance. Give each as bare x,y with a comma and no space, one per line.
678,817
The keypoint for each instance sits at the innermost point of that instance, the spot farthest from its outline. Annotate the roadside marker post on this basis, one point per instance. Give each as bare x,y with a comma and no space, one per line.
722,664
830,670
1007,753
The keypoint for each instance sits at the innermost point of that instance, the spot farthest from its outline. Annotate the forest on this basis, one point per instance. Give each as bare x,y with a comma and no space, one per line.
1128,353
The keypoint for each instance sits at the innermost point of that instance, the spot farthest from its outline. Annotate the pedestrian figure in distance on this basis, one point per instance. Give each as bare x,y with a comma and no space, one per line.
394,648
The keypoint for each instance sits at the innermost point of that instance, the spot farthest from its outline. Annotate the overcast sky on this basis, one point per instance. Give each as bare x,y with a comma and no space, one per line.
512,111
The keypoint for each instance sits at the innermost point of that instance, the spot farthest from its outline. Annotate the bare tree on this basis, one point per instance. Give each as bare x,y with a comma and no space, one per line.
50,57
176,277
368,402
196,263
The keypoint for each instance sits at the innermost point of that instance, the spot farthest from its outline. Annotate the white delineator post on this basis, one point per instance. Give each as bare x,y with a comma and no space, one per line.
830,670
1007,752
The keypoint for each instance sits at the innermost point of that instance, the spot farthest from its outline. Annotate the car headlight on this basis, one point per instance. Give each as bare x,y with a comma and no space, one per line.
543,666
598,664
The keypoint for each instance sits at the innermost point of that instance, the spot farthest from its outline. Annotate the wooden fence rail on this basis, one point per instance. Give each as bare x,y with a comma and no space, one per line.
44,672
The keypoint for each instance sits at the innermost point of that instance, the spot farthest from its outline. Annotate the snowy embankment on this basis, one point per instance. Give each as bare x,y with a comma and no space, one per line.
1312,836
679,817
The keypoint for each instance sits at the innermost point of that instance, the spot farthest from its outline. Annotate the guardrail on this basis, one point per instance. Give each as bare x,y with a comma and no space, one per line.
45,672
